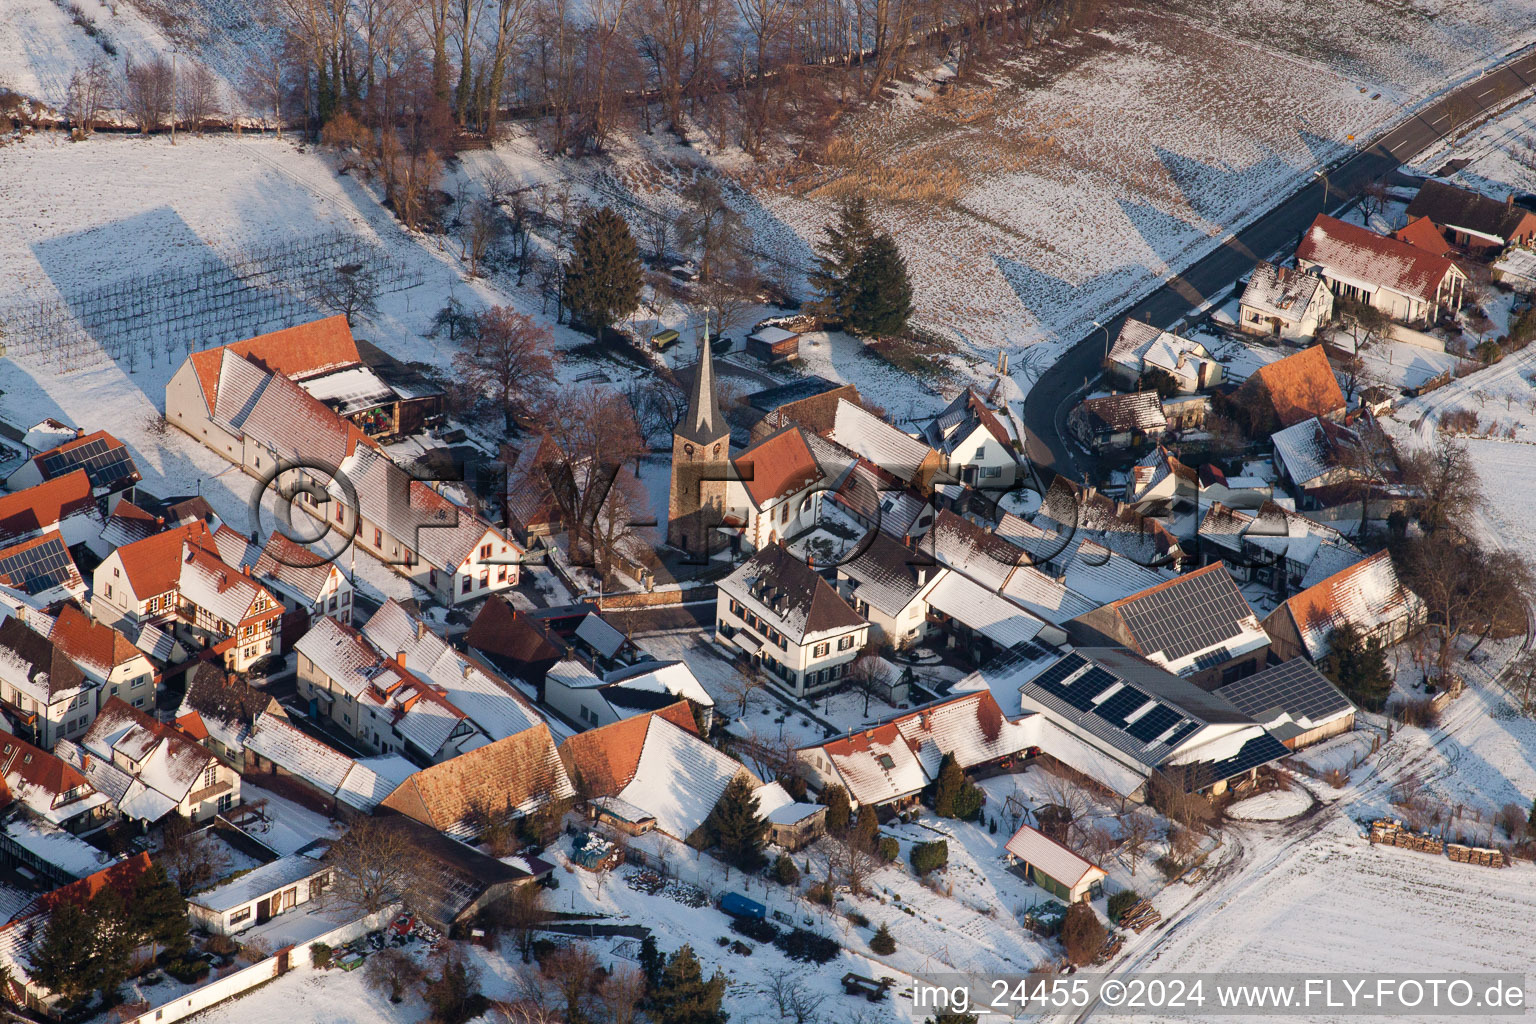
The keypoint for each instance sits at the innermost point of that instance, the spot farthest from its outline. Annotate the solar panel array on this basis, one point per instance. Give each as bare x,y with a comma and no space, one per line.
1294,686
1194,613
1181,732
1119,704
1212,658
1154,723
1082,690
1260,750
1052,678
38,568
104,463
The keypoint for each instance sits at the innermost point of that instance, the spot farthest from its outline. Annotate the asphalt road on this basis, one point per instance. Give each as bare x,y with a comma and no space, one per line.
1055,393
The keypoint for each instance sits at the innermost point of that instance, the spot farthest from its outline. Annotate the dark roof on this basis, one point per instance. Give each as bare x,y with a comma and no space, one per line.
41,656
1135,410
703,423
212,693
449,877
887,571
1164,685
1187,614
1446,204
1294,687
105,459
804,602
769,399
959,420
511,640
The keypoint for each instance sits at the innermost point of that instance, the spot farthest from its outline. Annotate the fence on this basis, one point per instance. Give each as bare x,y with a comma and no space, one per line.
231,985
214,301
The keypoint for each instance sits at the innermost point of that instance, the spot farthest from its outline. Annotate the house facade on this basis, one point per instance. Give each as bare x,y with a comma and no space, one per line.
1403,281
44,696
1279,302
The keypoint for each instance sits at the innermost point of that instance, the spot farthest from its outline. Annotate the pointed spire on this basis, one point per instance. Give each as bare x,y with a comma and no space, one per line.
703,423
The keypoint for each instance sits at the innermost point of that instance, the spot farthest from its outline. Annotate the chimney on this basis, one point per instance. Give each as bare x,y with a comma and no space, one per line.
80,431
400,657
922,576
466,670
159,520
1509,201
1280,274
421,629
245,568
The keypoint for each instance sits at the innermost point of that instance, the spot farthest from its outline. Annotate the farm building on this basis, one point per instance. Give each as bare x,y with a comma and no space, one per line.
1368,595
1471,220
770,344
1294,701
1053,867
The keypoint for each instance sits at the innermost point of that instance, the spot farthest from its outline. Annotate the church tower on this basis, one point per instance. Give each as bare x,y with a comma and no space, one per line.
701,453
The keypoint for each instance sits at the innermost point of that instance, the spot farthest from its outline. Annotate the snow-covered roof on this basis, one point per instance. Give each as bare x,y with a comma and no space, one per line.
1517,263
663,678
971,728
777,807
53,845
680,778
259,882
372,779
1356,255
772,335
1368,595
354,389
1309,449
1282,293
876,765
298,753
1041,851
967,601
787,593
865,434
598,634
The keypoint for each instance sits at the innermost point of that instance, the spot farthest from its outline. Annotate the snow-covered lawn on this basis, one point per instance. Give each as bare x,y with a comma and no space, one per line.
1275,805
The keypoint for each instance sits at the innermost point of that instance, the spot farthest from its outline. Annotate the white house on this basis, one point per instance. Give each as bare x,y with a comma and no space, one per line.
977,448
775,491
1284,303
172,772
789,621
1141,347
1403,281
580,696
259,895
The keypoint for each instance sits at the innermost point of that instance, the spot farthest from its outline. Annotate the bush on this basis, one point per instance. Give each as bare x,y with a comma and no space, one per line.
1421,712
882,942
859,919
757,931
889,849
928,857
1488,351
1122,901
1170,866
821,893
188,972
319,955
223,945
785,872
1523,331
1082,934
808,946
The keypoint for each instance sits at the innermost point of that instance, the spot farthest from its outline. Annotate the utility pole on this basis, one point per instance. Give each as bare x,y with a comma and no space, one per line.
173,96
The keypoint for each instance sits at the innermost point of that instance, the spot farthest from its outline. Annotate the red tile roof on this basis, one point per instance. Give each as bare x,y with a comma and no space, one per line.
516,774
776,466
37,767
602,761
295,352
1422,233
1301,386
37,508
122,876
153,564
88,642
1352,251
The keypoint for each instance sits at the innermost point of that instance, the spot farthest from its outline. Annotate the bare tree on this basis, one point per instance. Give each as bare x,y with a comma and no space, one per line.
620,993
1373,199
349,290
574,970
1135,833
741,686
518,914
376,864
90,90
480,226
189,857
147,93
1445,480
513,363
392,973
871,676
714,230
792,997
197,96
1467,591
596,434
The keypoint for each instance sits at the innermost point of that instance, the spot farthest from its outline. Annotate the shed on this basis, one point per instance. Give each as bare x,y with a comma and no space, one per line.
737,905
259,895
772,344
1053,867
622,815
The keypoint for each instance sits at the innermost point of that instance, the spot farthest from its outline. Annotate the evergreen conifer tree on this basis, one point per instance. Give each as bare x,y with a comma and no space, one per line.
62,962
838,809
602,279
685,996
882,941
652,963
114,939
158,913
838,257
881,296
866,830
1531,821
1357,664
736,826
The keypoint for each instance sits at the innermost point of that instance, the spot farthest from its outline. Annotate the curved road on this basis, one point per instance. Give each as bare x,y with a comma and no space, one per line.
1047,404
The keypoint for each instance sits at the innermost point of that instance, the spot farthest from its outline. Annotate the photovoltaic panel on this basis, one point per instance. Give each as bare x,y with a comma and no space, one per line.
1193,613
1089,685
1117,705
1154,723
1052,677
37,568
1181,732
104,463
1295,687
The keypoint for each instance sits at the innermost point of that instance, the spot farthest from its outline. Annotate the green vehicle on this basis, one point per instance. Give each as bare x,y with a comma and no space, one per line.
663,340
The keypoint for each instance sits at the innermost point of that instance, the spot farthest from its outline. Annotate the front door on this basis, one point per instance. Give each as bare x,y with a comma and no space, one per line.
263,911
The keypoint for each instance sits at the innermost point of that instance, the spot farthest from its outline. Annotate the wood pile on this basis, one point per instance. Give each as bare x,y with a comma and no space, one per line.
1475,855
1392,833
1140,917
1111,948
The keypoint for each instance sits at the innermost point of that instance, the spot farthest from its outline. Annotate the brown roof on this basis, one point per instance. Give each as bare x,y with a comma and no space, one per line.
816,413
1446,204
797,595
513,775
1136,410
776,466
212,692
602,761
122,876
295,352
90,642
37,508
41,655
1421,232
1352,251
507,638
1300,386
37,767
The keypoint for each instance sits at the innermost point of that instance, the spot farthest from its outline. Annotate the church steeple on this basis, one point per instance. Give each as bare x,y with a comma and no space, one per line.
703,423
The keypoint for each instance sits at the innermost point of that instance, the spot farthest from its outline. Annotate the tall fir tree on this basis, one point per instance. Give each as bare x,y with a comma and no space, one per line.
114,939
883,942
838,257
839,811
1357,664
652,963
737,827
866,829
881,295
158,913
602,279
63,961
685,996
953,794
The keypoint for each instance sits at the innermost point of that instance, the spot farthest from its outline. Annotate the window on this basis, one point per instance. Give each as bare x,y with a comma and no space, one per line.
243,914
820,651
784,512
991,471
886,761
115,573
485,551
844,643
378,537
333,602
485,578
501,575
338,512
109,590
432,578
467,583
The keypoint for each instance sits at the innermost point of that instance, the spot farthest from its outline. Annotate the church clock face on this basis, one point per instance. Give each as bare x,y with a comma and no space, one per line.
688,450
717,450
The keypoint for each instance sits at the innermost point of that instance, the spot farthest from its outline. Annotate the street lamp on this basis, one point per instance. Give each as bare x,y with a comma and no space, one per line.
1323,173
1106,338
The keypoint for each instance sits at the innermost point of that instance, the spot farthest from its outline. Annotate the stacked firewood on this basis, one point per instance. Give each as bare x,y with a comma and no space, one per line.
1140,917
